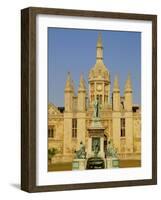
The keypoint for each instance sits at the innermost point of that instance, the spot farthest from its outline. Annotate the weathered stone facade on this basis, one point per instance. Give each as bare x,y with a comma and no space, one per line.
121,119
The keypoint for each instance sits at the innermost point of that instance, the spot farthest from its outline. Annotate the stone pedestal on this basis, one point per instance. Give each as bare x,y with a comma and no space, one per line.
112,163
96,131
79,164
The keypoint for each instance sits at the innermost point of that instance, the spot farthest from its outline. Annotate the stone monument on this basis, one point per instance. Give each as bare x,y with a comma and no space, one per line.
96,134
95,145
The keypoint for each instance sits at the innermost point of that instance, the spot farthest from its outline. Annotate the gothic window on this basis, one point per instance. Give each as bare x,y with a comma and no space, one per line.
74,128
51,132
122,127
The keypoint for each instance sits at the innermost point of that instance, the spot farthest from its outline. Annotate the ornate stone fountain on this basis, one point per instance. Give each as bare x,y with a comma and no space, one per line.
96,134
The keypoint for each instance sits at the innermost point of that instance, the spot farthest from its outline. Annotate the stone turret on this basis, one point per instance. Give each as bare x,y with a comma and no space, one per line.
81,95
99,78
69,93
128,94
68,85
116,95
81,112
128,115
99,70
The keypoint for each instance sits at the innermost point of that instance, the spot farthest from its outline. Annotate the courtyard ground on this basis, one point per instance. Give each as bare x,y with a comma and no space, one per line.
60,167
68,166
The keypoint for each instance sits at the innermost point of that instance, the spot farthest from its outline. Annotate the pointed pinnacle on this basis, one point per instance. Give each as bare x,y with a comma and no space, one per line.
82,83
99,41
128,85
116,84
68,82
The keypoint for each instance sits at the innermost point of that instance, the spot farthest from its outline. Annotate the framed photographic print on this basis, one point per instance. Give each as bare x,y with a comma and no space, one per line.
88,99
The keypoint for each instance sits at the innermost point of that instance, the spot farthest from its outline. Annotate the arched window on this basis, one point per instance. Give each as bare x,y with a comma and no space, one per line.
74,128
122,127
51,132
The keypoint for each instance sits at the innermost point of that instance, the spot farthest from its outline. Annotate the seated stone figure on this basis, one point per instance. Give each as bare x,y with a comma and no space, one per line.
111,151
96,149
80,154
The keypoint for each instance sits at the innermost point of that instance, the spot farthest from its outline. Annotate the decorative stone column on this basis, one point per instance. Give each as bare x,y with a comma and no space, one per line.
96,134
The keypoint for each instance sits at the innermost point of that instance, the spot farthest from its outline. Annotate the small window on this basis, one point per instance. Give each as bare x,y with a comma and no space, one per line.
74,128
122,127
51,132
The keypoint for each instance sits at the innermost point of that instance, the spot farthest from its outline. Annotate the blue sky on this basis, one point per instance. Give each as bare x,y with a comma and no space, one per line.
74,50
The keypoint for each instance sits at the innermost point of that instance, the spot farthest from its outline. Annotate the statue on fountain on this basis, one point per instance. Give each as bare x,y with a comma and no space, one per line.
96,122
96,109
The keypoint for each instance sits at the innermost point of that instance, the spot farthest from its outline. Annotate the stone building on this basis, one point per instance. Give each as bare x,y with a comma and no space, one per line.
120,118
